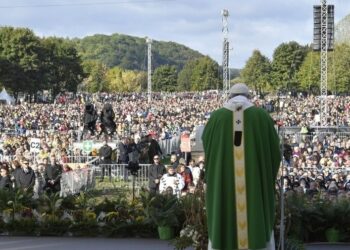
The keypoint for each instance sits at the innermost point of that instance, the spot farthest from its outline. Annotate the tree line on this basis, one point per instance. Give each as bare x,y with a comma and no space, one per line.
30,64
295,67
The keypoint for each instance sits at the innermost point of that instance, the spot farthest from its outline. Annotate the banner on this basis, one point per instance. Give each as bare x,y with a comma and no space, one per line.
185,145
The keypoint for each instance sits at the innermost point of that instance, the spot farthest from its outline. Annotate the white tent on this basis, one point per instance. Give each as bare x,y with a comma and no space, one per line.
6,98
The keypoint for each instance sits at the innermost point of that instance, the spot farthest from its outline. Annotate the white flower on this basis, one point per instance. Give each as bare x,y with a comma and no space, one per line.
67,216
101,216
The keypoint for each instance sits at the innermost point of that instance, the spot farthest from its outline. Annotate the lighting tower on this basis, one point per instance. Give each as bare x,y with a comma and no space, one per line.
225,58
149,68
324,64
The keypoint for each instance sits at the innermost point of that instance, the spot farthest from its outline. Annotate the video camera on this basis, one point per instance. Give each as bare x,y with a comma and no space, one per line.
133,167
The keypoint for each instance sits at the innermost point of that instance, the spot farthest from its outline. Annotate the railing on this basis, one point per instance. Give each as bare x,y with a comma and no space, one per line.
300,137
81,159
121,176
73,182
332,170
169,145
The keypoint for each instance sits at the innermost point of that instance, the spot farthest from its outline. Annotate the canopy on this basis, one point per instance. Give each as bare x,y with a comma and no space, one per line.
5,97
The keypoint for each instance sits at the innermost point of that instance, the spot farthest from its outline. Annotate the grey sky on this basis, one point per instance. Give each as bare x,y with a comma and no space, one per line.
253,24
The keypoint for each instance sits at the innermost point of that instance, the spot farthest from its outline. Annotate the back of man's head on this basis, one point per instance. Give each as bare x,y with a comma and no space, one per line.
239,89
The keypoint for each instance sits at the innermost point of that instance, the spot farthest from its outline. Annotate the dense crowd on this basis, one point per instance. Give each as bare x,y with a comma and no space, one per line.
310,159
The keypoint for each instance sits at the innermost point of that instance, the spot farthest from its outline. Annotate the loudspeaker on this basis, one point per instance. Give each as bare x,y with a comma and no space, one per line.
318,30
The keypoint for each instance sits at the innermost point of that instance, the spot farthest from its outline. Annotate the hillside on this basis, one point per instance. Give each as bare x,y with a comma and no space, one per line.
342,30
130,52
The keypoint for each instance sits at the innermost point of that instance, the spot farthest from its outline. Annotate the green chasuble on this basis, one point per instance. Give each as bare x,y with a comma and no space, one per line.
262,159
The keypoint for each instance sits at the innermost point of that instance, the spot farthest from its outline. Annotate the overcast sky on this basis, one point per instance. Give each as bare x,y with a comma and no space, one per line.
253,24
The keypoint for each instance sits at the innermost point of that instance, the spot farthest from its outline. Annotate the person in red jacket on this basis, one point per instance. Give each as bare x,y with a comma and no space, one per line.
185,175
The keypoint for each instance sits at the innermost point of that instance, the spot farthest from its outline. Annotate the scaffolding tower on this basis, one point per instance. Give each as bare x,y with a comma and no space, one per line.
149,68
324,63
225,58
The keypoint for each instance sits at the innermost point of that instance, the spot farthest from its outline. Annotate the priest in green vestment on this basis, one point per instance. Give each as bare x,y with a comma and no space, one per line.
242,156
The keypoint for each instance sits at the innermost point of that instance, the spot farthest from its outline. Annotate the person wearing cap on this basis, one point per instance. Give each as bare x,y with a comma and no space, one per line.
242,155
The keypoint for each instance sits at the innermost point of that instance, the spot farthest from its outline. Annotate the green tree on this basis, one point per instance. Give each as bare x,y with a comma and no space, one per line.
200,74
338,75
64,71
287,59
205,75
309,73
21,55
164,78
96,76
185,75
256,72
121,80
341,69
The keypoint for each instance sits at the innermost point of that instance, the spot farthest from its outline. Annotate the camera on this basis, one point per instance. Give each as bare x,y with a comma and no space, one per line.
133,167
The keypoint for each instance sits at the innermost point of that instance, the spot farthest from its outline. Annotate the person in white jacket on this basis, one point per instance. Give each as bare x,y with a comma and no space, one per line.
171,180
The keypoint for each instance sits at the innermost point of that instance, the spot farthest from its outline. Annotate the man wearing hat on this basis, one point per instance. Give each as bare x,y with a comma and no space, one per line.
242,160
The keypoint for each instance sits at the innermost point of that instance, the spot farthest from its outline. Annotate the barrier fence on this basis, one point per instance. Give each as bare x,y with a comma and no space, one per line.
300,137
73,182
121,176
83,179
81,159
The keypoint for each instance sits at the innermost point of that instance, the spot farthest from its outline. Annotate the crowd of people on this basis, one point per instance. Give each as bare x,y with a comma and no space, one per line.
308,158
177,178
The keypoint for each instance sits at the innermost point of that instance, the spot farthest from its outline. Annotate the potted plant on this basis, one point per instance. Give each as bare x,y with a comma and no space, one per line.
194,232
162,210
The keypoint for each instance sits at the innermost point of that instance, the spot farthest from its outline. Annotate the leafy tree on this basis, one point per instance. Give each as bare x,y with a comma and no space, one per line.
205,75
199,74
165,78
341,69
309,73
338,71
256,72
185,75
21,56
96,79
64,71
121,80
287,59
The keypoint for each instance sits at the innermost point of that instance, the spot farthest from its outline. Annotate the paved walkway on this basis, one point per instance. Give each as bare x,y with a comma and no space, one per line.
52,243
324,246
63,243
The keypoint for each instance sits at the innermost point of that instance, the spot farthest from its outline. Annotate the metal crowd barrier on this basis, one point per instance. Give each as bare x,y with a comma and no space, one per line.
332,170
82,159
74,181
121,176
169,145
299,137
